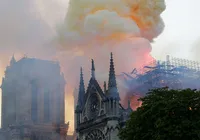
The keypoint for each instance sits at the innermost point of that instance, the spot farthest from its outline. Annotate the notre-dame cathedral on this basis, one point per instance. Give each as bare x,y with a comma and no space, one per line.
99,114
33,101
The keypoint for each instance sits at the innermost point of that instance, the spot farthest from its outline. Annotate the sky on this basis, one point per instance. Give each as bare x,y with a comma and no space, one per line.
181,37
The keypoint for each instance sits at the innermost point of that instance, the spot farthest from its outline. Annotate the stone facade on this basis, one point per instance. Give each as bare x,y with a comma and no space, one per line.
33,101
99,114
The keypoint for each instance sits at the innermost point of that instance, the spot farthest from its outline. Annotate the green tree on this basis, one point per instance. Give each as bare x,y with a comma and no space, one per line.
165,114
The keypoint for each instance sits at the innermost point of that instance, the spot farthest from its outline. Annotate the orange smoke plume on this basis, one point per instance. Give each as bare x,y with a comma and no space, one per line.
94,28
111,19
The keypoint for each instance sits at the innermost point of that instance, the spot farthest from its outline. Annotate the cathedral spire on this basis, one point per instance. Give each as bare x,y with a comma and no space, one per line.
93,70
112,79
112,84
81,89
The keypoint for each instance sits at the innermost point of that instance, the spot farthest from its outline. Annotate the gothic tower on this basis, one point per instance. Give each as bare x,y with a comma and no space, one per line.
99,114
33,100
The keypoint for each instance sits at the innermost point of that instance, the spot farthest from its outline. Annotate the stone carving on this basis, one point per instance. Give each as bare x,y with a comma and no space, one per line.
95,134
27,132
15,132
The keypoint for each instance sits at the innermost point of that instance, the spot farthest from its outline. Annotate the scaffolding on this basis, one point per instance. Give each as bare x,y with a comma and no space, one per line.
174,73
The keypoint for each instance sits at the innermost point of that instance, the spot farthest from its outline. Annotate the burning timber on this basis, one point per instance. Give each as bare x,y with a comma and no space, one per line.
174,73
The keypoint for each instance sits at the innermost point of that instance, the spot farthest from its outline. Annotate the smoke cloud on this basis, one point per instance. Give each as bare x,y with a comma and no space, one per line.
124,27
112,19
93,29
194,52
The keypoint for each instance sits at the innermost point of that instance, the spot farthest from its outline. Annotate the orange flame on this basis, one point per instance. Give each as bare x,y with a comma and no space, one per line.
135,103
69,109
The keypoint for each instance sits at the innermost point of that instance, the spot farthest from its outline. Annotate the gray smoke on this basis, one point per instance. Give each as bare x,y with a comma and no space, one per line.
195,50
23,30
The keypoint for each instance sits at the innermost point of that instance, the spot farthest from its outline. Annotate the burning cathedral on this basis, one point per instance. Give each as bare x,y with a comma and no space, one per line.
99,114
33,101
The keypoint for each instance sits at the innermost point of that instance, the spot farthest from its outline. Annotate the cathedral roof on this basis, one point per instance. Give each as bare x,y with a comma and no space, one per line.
34,69
29,63
35,60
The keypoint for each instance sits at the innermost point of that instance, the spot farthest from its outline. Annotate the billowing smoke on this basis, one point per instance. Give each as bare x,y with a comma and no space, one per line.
113,19
23,31
94,28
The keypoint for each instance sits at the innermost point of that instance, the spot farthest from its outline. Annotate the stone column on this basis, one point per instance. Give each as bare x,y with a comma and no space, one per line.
114,107
117,108
110,108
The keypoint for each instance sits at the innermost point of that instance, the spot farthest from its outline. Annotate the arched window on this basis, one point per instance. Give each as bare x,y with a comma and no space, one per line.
58,103
95,134
102,112
85,119
46,107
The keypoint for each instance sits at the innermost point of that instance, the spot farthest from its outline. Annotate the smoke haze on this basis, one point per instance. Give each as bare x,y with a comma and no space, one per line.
90,27
24,31
195,50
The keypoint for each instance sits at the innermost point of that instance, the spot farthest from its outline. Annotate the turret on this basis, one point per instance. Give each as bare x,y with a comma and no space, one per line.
80,101
81,90
12,61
